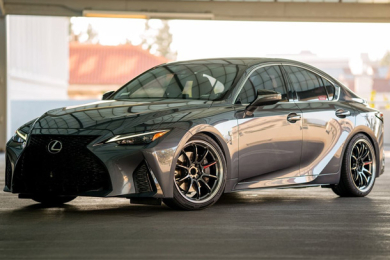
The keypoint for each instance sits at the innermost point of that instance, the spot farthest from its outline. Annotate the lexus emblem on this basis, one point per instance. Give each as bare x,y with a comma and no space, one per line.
54,147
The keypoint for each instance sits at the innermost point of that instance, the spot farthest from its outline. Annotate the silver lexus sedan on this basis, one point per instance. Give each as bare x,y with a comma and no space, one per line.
183,133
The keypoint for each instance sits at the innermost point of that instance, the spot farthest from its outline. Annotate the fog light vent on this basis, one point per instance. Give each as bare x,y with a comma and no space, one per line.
141,179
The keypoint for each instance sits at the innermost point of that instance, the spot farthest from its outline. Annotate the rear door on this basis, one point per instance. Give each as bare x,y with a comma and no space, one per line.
270,141
326,122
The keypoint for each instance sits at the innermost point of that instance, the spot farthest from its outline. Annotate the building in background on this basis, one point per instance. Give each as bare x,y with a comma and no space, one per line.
95,69
380,86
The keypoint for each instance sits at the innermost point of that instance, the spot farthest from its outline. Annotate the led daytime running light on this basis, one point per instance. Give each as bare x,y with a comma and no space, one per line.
157,134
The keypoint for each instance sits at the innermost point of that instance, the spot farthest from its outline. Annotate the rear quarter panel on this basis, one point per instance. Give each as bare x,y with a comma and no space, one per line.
373,127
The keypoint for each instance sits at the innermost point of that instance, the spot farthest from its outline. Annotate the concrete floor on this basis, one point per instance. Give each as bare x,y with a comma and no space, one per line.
270,224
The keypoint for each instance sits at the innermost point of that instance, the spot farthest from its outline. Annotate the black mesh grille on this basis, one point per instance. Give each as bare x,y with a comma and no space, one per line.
141,179
8,173
74,170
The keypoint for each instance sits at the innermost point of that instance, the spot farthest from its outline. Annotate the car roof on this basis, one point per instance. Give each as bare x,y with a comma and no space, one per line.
246,61
254,61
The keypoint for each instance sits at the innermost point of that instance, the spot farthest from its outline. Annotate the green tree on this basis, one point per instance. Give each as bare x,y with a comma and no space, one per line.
90,35
158,41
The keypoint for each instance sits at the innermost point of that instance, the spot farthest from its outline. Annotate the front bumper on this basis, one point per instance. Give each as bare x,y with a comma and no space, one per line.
106,170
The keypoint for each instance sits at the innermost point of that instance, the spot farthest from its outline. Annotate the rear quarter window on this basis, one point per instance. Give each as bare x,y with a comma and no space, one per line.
308,86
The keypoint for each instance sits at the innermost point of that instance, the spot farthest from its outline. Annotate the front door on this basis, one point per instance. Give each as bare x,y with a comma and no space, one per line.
270,141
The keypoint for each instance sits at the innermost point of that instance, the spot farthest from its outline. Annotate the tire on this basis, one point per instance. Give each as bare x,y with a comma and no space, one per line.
200,175
53,200
358,170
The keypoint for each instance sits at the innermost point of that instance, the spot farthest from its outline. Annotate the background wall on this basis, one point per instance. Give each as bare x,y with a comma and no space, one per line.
38,62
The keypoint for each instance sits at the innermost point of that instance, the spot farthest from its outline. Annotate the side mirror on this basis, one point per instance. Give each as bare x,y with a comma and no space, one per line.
264,97
107,94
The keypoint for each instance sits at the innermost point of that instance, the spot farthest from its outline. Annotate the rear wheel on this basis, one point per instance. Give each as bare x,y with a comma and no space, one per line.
359,169
53,200
200,175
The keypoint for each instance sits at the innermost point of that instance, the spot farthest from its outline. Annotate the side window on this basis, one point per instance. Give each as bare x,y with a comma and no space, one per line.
309,86
329,88
269,78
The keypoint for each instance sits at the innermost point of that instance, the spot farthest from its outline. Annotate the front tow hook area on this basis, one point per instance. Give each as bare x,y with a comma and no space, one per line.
146,201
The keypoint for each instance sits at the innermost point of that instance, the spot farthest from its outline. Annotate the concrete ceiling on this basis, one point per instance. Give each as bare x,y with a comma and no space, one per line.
263,10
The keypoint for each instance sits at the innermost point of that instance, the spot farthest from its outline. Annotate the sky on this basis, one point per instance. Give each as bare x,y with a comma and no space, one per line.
208,39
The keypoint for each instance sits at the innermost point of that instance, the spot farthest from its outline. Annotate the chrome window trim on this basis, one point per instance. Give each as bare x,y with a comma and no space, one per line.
337,88
249,74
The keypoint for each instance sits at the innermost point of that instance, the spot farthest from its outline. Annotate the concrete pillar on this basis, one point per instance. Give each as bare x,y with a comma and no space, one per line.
3,82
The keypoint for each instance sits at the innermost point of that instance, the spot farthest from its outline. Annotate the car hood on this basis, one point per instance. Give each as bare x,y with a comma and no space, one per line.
121,116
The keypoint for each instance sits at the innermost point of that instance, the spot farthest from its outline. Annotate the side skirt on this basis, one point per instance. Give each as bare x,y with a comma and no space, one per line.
296,182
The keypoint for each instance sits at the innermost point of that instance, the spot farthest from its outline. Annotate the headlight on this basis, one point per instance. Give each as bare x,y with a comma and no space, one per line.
144,138
19,137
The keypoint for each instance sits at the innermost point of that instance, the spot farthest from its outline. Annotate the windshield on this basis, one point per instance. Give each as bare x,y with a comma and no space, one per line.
182,81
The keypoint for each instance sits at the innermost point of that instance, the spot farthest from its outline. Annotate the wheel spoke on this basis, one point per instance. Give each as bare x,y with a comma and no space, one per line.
183,179
365,154
182,166
189,187
358,151
187,158
365,178
204,156
209,176
360,179
195,155
205,184
361,150
198,189
356,176
356,160
367,171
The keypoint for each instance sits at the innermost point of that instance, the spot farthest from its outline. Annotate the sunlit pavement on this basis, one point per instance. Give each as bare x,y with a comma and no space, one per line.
270,224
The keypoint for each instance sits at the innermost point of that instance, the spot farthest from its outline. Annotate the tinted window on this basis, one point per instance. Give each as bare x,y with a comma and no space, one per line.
187,81
309,86
329,88
269,78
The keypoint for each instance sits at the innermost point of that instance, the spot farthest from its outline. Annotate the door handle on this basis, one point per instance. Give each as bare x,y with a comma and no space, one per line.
342,113
293,118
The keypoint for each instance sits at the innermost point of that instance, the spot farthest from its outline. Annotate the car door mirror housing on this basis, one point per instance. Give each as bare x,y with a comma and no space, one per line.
107,94
264,97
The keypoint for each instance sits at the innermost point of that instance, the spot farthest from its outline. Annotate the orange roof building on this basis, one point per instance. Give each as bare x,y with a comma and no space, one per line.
95,69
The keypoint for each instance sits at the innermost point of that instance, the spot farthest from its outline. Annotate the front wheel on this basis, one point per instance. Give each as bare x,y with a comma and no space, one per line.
200,175
358,170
